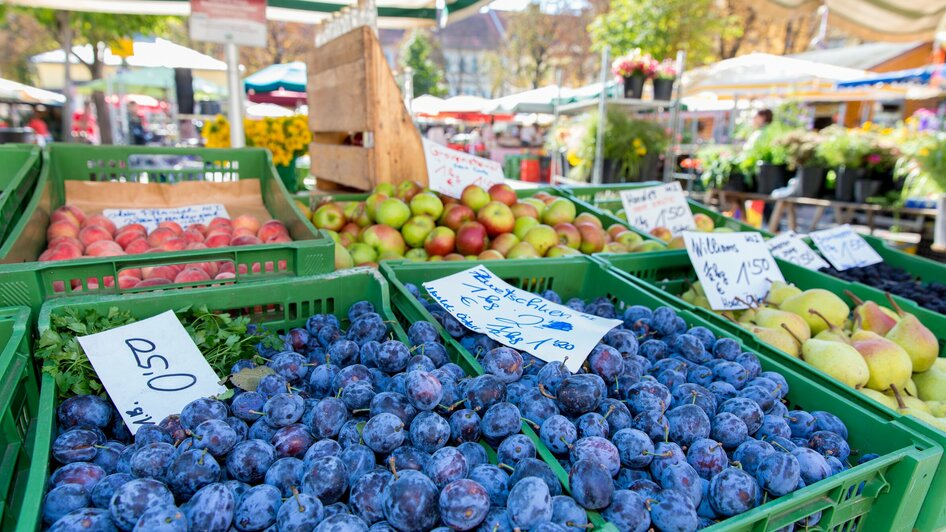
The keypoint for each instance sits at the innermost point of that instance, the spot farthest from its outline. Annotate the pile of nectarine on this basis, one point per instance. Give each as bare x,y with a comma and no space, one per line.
71,235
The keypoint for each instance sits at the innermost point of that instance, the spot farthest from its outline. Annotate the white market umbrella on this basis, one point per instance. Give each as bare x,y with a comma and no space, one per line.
465,104
427,105
267,110
541,100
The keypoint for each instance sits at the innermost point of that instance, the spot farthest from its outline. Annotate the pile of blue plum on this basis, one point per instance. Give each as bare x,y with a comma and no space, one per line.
352,430
666,426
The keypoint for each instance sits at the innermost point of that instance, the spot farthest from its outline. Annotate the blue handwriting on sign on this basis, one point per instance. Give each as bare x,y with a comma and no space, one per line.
558,326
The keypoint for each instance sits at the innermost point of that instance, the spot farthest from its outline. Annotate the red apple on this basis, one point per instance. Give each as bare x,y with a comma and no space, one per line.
497,218
384,238
474,197
471,238
440,241
329,216
568,234
503,193
490,254
456,214
504,242
525,209
592,238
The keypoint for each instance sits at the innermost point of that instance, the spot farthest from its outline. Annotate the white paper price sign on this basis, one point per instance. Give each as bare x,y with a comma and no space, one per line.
150,369
450,171
184,216
735,269
658,206
844,248
524,321
788,246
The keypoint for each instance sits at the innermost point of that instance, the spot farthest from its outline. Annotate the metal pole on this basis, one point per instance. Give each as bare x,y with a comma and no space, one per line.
409,90
670,163
235,103
558,168
67,106
596,174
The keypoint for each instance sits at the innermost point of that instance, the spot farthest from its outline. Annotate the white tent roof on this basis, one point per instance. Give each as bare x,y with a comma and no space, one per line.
427,105
18,92
159,53
532,101
264,110
757,75
465,104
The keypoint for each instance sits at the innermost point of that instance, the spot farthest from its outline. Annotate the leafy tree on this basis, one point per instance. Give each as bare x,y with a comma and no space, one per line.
662,28
99,29
417,54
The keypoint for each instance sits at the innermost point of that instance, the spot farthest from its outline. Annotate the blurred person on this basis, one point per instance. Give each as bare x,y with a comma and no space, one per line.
474,140
437,135
760,121
489,135
85,125
38,124
136,126
527,135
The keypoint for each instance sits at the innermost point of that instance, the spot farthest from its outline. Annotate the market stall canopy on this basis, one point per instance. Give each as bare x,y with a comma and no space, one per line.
391,13
151,81
427,105
878,20
285,76
464,104
764,75
541,100
922,76
14,92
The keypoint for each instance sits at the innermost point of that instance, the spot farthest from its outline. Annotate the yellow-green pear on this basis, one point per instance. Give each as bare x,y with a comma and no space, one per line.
688,296
793,323
870,316
889,364
832,307
780,291
914,338
937,408
910,388
777,338
925,417
839,360
833,333
931,384
885,400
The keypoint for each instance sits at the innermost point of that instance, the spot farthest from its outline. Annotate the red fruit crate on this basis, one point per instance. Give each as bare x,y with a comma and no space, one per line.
24,281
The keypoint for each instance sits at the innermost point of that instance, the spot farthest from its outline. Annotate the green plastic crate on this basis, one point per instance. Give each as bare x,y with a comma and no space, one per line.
666,275
892,483
26,282
19,403
608,197
19,170
280,304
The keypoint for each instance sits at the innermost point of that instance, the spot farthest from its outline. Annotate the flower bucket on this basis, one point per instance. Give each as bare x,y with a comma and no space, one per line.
865,188
844,185
634,86
771,177
663,88
811,179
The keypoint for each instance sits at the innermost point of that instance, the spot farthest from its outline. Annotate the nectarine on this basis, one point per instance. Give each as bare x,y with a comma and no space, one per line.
62,228
100,221
93,233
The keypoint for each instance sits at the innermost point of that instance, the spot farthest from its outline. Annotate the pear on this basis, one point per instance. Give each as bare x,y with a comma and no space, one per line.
773,318
780,339
937,408
870,316
780,291
839,360
910,388
834,309
914,338
889,364
925,417
833,333
931,384
688,296
885,400
909,406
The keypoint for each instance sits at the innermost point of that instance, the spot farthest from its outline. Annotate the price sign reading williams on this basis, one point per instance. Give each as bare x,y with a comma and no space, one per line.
658,206
735,269
788,246
844,248
150,368
486,304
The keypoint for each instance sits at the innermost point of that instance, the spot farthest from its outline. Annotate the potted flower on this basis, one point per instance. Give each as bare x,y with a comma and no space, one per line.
846,150
801,150
630,148
634,68
664,76
721,169
768,159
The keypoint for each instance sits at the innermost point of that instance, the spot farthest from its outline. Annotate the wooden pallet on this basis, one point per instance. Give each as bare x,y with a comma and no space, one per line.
352,91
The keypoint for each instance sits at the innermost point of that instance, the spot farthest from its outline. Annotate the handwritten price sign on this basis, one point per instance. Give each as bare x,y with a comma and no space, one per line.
486,304
450,171
150,368
844,248
735,269
658,206
150,218
788,246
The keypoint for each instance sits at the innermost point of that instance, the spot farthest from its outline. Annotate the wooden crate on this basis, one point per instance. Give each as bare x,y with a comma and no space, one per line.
352,90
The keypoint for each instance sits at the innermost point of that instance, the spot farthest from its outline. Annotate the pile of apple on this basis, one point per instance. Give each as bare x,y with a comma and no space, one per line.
412,223
72,235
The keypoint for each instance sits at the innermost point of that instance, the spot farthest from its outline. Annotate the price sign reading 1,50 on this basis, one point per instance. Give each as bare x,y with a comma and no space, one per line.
166,382
752,268
735,269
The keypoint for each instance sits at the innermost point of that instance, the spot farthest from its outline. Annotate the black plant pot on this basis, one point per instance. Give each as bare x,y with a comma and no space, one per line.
866,188
736,183
634,86
811,179
844,185
663,89
647,168
611,172
770,177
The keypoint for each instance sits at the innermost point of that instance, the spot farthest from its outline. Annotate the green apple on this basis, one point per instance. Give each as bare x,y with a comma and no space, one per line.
522,226
362,253
523,250
329,216
385,188
416,255
372,202
427,203
559,211
343,259
392,212
542,238
537,203
416,230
